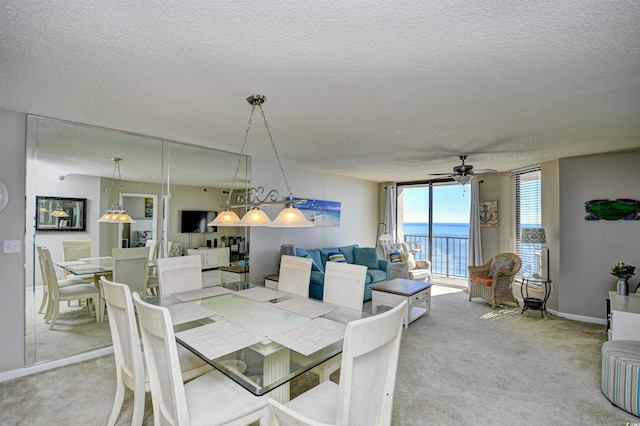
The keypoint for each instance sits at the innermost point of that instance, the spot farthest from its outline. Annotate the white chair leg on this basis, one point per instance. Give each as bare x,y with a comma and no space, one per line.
54,316
45,297
117,404
138,408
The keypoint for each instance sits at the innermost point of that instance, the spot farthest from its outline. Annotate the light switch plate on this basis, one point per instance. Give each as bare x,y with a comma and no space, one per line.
11,246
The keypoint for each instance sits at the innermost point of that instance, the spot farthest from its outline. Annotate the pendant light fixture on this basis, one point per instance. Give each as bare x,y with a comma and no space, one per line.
116,213
58,211
252,198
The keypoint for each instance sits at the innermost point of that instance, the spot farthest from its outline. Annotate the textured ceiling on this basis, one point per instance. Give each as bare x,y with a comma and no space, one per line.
378,90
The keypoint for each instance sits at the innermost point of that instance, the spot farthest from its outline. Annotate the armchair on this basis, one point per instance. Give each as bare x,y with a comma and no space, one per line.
408,267
493,280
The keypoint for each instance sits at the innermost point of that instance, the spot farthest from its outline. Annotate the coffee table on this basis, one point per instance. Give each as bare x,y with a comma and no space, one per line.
393,292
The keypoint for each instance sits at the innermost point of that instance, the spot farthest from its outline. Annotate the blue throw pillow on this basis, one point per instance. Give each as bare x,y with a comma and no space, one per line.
337,257
348,252
395,257
366,256
314,267
324,253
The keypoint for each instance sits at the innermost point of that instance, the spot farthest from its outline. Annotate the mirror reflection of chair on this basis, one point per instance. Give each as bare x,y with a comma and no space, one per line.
367,378
130,267
152,280
343,286
209,399
69,292
295,273
493,281
130,369
178,274
46,296
74,250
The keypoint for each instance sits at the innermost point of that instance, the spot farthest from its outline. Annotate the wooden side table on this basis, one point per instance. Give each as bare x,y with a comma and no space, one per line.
393,292
271,281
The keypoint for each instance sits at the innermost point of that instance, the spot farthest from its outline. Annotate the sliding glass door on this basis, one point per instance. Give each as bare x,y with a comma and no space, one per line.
434,220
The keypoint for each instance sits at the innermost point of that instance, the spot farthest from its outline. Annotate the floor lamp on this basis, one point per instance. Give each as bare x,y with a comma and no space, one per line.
536,236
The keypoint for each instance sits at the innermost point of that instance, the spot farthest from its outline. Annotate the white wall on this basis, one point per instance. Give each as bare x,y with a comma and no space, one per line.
12,227
497,240
589,249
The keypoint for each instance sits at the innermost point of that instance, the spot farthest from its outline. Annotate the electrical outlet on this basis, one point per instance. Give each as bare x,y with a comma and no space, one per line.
11,246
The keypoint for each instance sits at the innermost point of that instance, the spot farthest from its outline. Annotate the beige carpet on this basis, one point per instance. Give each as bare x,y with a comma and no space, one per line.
465,364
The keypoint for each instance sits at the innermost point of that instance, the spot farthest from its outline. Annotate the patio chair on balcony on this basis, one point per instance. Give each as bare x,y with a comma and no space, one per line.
403,263
493,281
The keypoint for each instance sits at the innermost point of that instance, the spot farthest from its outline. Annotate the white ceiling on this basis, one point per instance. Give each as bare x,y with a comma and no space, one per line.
377,90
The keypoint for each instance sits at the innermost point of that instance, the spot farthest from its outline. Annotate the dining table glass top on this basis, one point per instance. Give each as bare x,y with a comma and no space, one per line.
259,337
89,265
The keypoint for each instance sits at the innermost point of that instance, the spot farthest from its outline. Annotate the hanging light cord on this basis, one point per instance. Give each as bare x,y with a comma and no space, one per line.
275,150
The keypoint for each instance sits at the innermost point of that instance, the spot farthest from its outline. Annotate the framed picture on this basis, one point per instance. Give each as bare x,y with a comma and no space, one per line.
59,214
319,212
148,207
489,213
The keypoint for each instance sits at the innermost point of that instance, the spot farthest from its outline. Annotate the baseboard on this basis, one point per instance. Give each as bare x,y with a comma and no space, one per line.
574,317
38,368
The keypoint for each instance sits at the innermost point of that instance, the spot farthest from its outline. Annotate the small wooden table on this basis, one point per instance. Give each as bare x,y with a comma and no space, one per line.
393,292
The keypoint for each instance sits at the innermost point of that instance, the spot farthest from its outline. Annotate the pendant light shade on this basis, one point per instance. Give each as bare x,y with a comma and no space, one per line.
255,217
58,212
225,218
291,217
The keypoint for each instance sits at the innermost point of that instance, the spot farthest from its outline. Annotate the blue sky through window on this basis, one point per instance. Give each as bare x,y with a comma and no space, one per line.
450,204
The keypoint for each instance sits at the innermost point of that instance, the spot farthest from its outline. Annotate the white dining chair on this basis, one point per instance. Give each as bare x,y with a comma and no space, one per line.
46,294
367,378
295,273
74,250
178,274
127,351
343,286
131,267
68,292
211,399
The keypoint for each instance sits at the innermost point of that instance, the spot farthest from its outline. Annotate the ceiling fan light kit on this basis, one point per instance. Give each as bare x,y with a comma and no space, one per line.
464,173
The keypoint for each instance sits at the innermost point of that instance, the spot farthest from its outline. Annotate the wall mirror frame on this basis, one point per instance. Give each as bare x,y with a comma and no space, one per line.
73,161
59,214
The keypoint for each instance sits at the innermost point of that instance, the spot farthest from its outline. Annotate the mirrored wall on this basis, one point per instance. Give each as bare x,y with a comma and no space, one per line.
72,165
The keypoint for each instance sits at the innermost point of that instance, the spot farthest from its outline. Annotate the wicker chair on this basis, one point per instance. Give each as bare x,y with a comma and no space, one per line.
496,289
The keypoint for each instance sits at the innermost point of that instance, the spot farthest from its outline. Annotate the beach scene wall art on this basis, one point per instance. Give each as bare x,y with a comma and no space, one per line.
320,212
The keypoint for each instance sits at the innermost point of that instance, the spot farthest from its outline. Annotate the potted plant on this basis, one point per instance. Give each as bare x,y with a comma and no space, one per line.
623,271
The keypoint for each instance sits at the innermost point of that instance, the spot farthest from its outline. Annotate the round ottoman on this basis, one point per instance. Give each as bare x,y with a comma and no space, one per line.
620,379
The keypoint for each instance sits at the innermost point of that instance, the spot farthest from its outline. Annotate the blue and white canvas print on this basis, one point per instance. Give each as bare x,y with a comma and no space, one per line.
320,212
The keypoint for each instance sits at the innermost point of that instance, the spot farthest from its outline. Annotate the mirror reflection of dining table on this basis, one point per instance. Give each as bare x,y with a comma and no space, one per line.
259,337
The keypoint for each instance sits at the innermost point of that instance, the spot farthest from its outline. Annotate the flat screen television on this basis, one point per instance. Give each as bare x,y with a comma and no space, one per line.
195,221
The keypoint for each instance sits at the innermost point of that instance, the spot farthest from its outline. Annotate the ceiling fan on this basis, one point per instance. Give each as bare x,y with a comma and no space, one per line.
464,172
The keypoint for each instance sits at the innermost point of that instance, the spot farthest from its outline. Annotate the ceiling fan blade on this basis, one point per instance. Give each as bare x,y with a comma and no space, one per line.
479,171
439,174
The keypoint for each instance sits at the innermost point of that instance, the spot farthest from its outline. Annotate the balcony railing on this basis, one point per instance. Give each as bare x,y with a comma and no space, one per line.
449,257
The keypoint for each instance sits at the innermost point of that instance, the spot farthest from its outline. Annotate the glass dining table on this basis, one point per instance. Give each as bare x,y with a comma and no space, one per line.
259,337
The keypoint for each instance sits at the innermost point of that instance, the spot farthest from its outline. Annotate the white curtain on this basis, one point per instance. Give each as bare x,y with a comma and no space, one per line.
390,212
475,239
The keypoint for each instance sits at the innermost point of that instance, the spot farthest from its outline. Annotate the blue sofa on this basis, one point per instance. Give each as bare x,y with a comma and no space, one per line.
378,270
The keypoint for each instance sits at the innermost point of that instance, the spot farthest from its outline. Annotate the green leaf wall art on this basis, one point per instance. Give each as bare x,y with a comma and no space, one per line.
622,208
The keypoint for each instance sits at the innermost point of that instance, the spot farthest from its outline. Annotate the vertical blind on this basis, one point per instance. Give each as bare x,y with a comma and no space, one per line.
527,200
